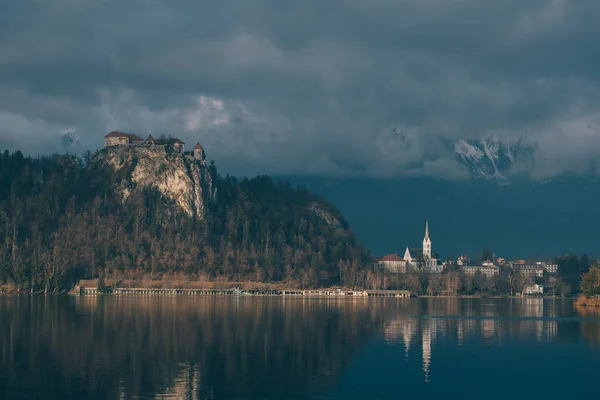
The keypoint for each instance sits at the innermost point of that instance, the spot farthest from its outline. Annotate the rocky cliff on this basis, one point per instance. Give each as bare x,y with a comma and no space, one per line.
176,176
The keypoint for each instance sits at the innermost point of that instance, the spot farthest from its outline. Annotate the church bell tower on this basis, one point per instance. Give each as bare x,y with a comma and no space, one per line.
427,242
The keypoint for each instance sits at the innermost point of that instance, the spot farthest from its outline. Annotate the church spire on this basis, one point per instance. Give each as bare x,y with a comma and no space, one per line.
427,242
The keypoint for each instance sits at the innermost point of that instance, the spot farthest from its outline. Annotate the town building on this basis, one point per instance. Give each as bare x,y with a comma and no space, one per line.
533,270
116,138
550,268
393,263
490,270
533,289
462,260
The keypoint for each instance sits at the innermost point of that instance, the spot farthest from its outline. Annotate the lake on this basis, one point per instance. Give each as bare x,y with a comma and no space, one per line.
58,347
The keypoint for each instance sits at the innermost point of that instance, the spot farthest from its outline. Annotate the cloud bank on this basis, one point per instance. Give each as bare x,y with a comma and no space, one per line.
340,87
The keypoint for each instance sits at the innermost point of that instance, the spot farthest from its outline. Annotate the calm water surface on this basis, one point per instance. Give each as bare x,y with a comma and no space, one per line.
275,348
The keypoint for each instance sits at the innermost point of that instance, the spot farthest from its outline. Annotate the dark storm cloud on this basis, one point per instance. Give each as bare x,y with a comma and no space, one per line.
307,86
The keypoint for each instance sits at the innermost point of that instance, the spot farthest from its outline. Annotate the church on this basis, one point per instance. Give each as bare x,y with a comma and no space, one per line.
423,258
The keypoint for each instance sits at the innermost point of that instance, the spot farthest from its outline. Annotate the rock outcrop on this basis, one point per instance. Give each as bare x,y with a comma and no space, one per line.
176,176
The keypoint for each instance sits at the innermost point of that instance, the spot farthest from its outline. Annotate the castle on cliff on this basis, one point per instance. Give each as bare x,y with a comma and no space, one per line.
116,138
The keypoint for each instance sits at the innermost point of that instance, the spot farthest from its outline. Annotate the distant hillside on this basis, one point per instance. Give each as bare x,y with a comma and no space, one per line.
144,210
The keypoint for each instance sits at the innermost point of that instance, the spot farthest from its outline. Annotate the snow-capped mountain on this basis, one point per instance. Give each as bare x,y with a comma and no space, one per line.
493,158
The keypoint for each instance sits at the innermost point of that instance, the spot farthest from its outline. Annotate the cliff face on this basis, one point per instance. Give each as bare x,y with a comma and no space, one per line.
177,177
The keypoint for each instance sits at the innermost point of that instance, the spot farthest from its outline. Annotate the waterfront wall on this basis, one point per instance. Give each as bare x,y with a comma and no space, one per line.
238,292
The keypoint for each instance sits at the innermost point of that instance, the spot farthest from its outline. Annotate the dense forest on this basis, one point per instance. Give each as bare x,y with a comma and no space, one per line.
61,221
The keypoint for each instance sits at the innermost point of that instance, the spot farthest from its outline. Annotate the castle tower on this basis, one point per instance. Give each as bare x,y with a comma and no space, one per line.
198,153
427,243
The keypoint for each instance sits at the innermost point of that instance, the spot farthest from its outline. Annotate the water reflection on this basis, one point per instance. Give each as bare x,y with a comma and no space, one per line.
212,348
489,321
178,347
590,329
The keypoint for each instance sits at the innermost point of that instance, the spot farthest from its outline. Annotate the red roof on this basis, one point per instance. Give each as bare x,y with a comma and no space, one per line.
391,257
198,147
121,134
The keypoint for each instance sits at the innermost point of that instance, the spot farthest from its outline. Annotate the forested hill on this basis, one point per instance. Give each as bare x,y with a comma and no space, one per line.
155,212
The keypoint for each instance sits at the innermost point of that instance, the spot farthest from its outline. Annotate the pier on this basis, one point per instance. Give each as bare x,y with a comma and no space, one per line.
164,292
388,293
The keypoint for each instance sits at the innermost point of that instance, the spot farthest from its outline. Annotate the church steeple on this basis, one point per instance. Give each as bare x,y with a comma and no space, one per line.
427,242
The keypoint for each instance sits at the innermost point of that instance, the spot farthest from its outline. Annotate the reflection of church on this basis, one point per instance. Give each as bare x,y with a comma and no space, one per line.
472,324
423,258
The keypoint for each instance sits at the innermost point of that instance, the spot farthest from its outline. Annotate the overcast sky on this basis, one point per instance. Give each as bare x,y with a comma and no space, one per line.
273,86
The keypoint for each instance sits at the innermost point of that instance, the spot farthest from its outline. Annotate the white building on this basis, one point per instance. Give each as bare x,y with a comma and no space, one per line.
550,268
485,270
533,270
423,258
533,289
393,263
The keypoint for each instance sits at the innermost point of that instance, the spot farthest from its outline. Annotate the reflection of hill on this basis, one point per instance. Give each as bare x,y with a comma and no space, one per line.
202,348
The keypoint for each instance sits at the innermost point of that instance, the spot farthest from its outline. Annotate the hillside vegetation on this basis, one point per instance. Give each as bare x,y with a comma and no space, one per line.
63,218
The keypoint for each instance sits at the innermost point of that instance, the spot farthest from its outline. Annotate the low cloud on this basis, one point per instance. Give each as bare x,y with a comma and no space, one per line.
339,88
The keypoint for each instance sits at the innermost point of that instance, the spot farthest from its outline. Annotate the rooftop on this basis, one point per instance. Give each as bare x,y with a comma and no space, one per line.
122,134
391,257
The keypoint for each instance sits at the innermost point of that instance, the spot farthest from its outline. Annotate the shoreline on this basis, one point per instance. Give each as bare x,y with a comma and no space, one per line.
338,293
586,302
296,293
176,287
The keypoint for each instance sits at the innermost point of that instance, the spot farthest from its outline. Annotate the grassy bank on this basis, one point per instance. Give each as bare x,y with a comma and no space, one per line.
583,301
